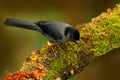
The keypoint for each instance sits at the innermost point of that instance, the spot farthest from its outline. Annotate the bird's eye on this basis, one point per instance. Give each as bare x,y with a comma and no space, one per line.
76,35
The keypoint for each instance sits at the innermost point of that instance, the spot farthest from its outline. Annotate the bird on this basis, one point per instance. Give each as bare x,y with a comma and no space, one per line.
54,31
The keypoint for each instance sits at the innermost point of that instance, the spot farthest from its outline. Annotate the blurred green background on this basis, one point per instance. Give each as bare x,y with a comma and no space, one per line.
16,43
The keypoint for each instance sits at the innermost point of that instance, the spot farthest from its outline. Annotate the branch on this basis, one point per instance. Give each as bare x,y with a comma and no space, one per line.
97,38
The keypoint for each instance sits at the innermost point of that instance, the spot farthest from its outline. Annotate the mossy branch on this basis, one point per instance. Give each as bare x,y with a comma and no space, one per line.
97,38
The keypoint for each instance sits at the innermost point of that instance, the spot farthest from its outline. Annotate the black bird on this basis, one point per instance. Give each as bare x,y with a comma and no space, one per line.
56,32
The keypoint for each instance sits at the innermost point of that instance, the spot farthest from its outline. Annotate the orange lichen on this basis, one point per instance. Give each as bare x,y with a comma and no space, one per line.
72,71
36,74
17,76
39,67
33,57
42,70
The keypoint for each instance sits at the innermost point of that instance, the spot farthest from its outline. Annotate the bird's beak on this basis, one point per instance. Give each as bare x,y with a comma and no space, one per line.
77,42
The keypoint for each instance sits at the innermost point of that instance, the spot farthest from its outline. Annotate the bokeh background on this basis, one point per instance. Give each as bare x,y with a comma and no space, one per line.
16,43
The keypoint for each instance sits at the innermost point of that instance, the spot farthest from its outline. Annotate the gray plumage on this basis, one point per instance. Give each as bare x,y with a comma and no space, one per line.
55,31
21,23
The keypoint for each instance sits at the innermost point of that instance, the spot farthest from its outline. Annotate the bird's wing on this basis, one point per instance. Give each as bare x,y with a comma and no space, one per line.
48,29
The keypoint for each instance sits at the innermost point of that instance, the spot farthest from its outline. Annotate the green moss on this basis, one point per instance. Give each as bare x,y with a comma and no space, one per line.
67,59
103,33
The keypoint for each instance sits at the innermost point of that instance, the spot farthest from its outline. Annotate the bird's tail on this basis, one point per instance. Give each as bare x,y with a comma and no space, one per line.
21,24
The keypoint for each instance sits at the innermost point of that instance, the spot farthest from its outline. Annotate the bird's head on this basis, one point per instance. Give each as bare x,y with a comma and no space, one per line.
72,34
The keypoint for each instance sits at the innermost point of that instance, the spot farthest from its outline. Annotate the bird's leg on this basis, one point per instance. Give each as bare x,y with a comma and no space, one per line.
52,50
